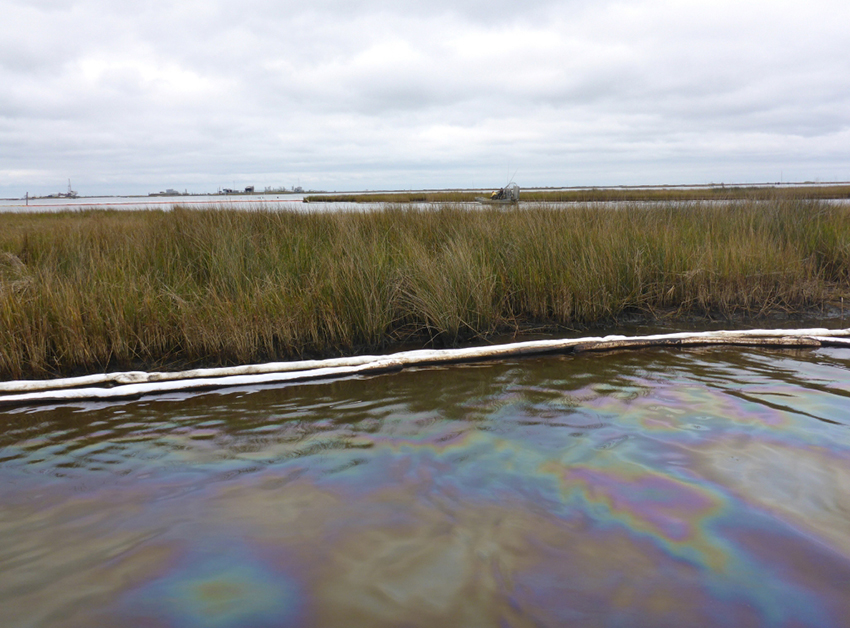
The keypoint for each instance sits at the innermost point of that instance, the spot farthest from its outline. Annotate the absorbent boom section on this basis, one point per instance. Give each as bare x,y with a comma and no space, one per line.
126,385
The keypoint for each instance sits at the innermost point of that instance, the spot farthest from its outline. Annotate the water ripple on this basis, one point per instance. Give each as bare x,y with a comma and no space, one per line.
653,488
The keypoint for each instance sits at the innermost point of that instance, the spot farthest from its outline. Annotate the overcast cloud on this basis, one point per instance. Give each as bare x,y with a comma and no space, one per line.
130,97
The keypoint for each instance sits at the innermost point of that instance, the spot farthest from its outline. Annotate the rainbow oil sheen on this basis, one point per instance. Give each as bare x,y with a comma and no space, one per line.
708,487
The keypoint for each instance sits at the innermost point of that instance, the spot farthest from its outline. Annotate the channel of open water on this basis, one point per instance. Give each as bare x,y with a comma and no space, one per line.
655,488
273,202
269,202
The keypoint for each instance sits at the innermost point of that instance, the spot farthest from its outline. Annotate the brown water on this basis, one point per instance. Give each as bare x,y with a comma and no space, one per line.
654,488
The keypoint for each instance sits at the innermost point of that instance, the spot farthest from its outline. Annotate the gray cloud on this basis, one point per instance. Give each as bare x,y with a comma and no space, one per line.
130,97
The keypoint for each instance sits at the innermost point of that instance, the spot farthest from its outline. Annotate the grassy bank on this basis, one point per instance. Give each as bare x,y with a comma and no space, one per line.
591,195
714,193
96,290
446,196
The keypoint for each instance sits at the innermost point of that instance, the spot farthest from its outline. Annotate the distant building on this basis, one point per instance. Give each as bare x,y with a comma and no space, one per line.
249,189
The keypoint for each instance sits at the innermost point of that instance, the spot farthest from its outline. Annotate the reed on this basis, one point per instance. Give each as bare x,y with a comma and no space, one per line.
99,290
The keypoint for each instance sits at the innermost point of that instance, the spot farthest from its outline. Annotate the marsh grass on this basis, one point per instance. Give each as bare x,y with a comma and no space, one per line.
96,290
712,193
445,196
607,195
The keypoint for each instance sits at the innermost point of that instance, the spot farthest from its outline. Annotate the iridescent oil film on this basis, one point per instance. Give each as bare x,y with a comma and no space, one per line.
655,488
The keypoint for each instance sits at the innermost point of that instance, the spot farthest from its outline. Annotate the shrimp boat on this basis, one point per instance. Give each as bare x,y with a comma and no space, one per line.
503,196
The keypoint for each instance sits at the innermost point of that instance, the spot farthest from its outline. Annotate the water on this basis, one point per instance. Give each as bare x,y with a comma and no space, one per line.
152,202
655,488
290,202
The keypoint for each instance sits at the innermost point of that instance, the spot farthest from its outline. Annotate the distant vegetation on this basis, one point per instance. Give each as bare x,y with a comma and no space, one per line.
395,197
713,193
718,192
95,290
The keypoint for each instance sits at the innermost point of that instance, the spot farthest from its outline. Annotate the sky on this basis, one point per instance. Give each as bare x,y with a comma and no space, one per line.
129,97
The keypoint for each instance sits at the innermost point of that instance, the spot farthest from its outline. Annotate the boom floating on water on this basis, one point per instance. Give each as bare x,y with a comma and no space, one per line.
127,385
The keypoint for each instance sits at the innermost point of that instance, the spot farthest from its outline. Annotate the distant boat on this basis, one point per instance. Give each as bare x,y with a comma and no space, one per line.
503,196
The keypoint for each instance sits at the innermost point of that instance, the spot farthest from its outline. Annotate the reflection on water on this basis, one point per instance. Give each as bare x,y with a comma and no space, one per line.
655,488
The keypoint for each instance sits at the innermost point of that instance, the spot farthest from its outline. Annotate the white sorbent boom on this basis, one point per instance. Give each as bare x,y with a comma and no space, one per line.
136,383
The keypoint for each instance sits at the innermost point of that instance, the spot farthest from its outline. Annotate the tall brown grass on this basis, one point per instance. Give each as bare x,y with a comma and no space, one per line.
96,290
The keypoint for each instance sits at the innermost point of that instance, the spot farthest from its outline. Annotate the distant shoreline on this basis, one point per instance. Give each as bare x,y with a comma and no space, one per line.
580,188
